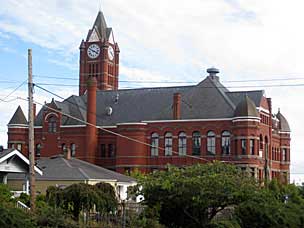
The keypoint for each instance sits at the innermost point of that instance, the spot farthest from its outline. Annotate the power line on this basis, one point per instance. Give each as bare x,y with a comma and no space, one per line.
4,99
112,132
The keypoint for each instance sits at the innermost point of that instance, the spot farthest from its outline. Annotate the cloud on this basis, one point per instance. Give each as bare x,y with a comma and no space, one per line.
174,40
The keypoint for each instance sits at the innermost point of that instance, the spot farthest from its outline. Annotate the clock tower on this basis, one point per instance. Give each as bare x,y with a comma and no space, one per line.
99,57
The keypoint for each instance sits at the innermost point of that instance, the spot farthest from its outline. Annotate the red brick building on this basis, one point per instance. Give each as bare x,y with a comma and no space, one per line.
184,124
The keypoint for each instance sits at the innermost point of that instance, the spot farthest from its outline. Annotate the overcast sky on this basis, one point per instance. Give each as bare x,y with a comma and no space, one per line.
160,40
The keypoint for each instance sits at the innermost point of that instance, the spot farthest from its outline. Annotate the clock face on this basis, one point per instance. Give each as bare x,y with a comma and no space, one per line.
93,51
111,53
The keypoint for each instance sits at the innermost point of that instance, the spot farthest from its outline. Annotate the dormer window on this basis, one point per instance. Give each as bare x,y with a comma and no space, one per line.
52,124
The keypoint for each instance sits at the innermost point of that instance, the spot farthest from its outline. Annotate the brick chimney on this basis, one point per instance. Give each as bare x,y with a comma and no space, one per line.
91,132
176,106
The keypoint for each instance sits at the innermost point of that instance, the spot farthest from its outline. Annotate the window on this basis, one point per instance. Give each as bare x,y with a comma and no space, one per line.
261,142
73,150
243,146
63,148
111,148
226,142
168,144
52,124
182,143
251,146
19,146
154,144
103,150
38,150
211,142
284,154
196,143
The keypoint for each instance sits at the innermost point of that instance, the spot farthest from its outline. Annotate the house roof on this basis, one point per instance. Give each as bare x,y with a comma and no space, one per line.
246,108
207,100
59,168
8,155
283,123
18,117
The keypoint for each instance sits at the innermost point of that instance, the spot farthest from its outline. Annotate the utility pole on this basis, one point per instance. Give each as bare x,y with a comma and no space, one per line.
31,132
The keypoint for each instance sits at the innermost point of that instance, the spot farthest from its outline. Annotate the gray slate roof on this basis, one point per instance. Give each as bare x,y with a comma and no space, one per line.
207,100
5,152
283,124
59,168
246,108
18,117
101,26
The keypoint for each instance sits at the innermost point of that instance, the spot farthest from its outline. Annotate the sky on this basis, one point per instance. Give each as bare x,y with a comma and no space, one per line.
160,40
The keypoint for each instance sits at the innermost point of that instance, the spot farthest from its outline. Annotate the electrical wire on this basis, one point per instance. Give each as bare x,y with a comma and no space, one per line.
4,99
112,132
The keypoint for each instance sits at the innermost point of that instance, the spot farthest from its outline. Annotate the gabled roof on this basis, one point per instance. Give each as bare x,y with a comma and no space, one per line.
59,168
8,154
207,100
18,118
100,26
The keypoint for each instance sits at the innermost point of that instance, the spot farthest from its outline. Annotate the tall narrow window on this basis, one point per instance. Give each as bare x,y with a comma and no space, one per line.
52,124
243,146
111,148
182,143
154,144
251,146
73,149
261,142
284,154
211,142
196,143
103,150
19,147
226,142
168,144
63,148
38,150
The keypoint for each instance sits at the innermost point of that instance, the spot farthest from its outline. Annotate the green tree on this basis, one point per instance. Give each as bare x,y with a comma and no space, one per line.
107,197
194,195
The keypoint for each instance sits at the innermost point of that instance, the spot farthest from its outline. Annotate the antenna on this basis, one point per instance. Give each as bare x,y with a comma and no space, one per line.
100,5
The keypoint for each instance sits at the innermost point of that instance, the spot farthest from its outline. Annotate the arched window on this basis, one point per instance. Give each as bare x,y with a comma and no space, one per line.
154,144
52,124
226,142
73,149
38,150
182,143
196,143
211,142
168,144
63,148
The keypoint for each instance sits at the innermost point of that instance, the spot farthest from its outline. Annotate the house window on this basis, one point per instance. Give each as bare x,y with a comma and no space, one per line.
73,150
38,150
284,154
168,144
196,143
19,146
211,142
182,143
243,146
52,124
103,150
154,144
63,148
111,148
251,146
226,142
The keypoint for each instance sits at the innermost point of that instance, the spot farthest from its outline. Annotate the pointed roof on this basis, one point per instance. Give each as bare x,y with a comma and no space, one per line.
18,117
101,25
246,108
283,124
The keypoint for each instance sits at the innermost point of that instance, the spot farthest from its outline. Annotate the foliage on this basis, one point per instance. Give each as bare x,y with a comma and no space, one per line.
24,198
5,194
78,197
194,195
11,217
54,217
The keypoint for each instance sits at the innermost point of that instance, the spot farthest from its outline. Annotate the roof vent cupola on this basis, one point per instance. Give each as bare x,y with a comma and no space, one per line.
212,73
